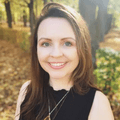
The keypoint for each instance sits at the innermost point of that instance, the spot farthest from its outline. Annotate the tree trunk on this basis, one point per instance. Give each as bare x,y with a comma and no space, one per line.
30,5
8,13
45,2
87,10
96,27
101,20
34,19
24,18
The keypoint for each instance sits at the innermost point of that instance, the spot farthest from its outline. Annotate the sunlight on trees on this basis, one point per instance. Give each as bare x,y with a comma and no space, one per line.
114,8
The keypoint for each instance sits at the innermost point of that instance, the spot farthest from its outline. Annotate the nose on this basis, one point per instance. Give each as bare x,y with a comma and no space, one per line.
56,52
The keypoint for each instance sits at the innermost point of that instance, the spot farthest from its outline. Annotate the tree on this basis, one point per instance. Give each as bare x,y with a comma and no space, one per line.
97,26
45,2
114,8
2,12
8,13
24,18
30,5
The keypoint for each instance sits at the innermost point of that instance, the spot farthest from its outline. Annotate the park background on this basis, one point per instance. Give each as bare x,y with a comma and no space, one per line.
17,21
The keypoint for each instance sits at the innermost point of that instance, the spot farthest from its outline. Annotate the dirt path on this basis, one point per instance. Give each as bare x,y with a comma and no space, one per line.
112,40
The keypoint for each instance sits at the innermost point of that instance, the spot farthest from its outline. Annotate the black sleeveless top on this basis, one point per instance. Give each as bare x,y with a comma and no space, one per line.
75,106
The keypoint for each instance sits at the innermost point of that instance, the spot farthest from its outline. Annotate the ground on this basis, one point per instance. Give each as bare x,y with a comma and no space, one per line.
15,66
112,39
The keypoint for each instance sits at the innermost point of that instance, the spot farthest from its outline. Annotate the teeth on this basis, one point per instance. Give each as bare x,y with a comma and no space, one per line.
57,64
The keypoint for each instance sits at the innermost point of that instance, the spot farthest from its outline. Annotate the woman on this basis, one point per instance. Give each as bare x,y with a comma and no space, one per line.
61,86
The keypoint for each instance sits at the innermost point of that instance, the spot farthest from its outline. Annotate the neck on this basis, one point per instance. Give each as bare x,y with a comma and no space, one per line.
59,84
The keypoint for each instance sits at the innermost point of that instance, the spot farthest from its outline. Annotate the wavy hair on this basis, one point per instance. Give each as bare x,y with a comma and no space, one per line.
82,76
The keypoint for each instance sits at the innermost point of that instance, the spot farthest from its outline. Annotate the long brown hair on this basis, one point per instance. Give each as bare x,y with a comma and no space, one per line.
82,76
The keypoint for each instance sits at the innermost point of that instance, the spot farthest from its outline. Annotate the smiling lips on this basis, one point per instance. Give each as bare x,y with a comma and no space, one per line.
57,65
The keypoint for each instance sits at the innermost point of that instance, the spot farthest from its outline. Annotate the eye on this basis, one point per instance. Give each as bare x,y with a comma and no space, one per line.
45,44
68,44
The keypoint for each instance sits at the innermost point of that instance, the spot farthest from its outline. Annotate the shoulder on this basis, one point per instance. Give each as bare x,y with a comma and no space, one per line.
101,109
24,86
23,91
21,98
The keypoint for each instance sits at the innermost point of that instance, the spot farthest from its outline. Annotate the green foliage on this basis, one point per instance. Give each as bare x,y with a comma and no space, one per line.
114,8
2,12
116,19
114,5
18,7
25,44
108,70
16,36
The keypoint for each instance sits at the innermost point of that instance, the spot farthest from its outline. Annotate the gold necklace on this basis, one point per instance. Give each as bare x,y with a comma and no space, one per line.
47,118
50,112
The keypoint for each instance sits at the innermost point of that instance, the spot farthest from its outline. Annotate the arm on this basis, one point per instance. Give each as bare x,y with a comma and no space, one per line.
21,97
101,109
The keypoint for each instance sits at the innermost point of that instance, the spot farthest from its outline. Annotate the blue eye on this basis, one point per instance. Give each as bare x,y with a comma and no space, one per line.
67,43
45,44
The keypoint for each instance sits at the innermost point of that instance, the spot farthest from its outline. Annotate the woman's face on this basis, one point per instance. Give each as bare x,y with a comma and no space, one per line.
56,47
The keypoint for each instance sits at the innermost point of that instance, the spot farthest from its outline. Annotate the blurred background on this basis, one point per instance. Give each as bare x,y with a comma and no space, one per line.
17,22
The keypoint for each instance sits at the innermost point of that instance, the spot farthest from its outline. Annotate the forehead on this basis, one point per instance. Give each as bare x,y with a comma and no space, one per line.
55,27
53,21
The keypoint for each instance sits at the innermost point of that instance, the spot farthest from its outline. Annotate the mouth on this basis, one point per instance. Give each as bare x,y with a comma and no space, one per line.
57,65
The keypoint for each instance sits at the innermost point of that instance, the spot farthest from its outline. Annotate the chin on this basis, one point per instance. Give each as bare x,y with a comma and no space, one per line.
58,76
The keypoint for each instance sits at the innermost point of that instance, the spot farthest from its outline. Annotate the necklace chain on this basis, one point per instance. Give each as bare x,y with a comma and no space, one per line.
50,112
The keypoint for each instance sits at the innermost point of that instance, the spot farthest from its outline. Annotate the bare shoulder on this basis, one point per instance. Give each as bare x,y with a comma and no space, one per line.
101,109
23,91
24,86
21,98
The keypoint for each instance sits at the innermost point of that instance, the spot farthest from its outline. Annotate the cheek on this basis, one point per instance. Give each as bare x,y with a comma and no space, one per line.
42,54
72,54
75,58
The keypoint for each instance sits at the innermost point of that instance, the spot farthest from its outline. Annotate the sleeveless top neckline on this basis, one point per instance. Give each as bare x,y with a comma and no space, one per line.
61,90
75,106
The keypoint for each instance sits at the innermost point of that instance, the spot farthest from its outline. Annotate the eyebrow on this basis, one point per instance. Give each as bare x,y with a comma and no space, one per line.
61,39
